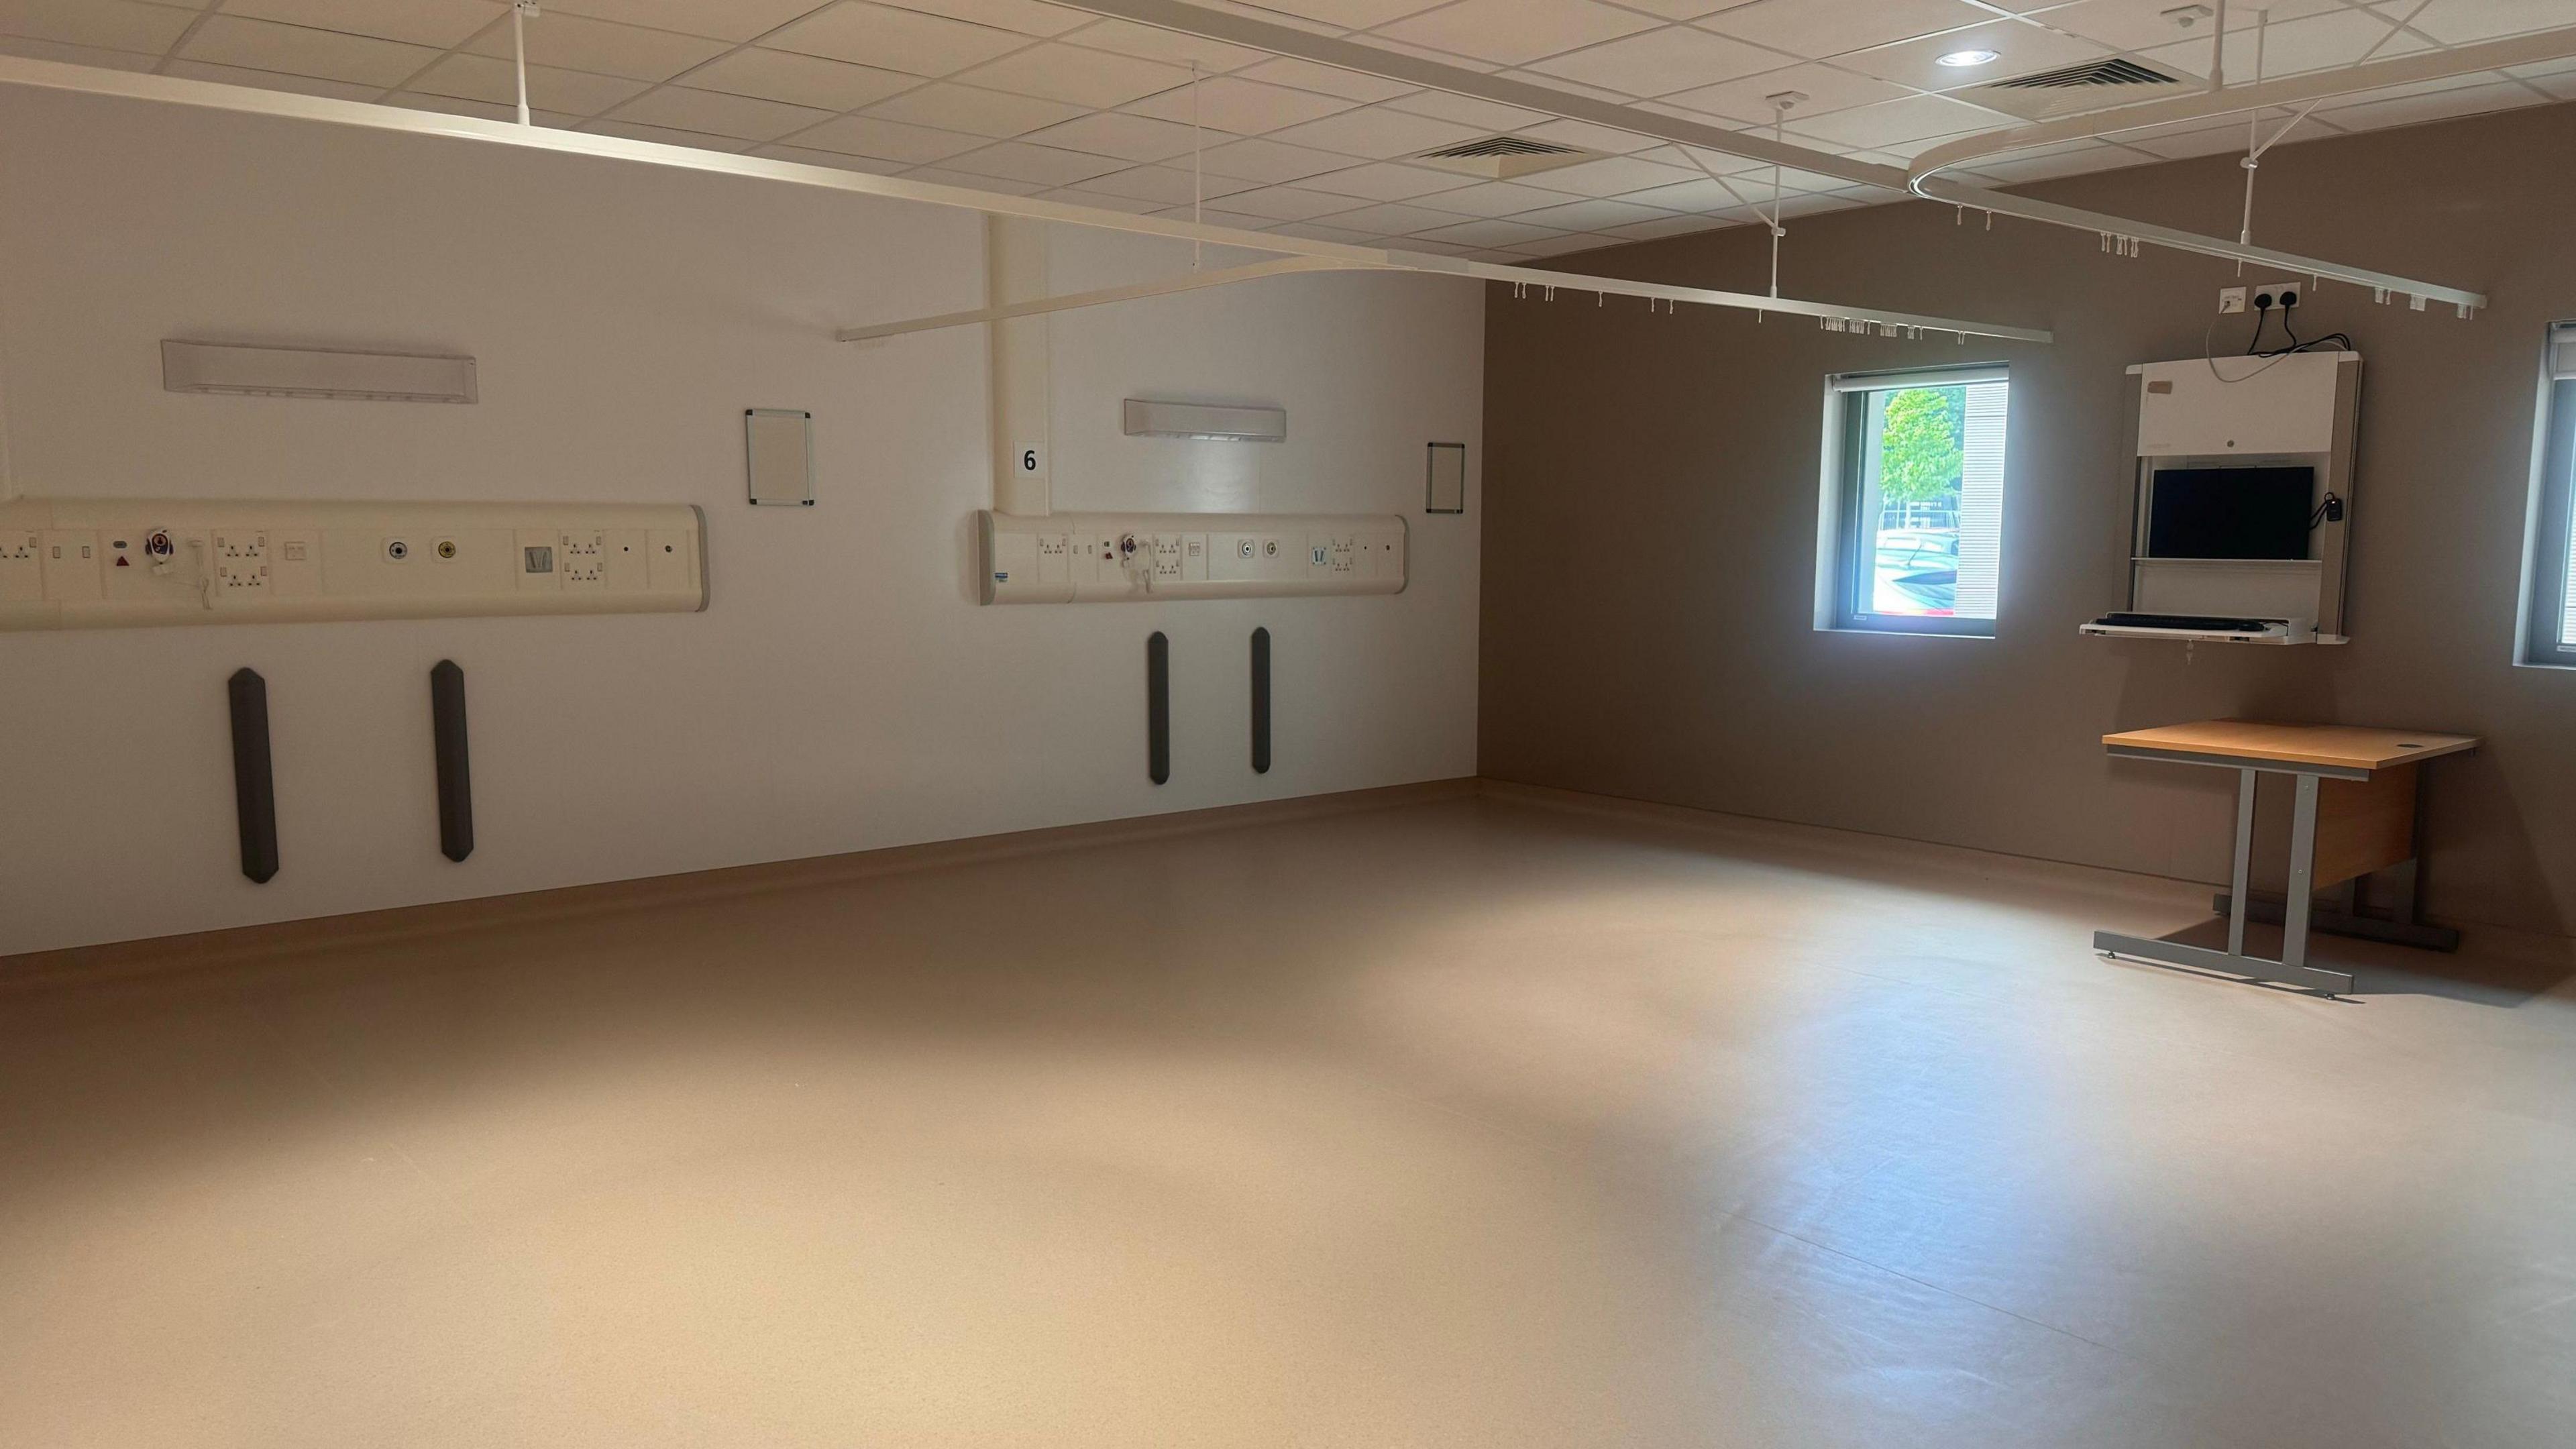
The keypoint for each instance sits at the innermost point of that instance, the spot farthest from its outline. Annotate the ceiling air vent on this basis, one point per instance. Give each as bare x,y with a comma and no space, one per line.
2093,86
1498,157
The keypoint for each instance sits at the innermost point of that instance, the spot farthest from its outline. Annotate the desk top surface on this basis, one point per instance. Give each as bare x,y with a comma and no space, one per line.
2343,746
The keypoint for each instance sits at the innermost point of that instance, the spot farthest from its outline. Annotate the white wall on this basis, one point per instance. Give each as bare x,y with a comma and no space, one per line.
843,692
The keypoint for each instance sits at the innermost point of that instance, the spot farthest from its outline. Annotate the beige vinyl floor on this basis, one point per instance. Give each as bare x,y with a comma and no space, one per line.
1473,1123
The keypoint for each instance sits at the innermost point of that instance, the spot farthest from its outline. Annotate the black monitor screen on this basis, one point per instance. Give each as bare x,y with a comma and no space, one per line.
2230,513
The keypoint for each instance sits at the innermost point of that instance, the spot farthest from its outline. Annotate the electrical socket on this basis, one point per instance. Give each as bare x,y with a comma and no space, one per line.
2283,294
2231,300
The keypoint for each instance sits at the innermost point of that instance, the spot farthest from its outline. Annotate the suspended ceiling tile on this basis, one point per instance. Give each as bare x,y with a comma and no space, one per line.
2316,43
891,39
1497,198
2019,50
298,50
1826,88
1390,181
1097,79
1130,138
637,131
106,24
806,155
1144,42
1439,248
802,80
735,20
1614,176
1816,29
1379,134
1598,214
1702,195
1324,231
1306,75
1670,225
1286,203
1680,9
575,42
2559,82
2069,160
1164,185
1395,218
973,110
1029,17
1079,196
715,113
973,182
2407,110
1488,233
1349,14
1270,162
302,85
1511,32
1044,165
2458,22
2193,138
1660,62
496,82
1547,248
441,23
55,50
481,110
887,140
2142,24
1244,107
1484,115
1890,122
1586,136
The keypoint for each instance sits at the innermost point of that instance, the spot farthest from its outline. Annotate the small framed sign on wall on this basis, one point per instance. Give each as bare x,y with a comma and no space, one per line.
1446,491
779,448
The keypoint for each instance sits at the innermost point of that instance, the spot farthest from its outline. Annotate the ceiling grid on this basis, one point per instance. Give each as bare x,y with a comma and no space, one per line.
1031,98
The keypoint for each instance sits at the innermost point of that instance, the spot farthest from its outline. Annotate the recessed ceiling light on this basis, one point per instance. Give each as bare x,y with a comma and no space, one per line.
1964,58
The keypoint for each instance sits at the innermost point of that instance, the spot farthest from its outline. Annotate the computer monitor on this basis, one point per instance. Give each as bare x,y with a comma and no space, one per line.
2230,512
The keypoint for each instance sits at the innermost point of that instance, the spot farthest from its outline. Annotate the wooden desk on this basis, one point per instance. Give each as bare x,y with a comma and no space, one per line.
2355,815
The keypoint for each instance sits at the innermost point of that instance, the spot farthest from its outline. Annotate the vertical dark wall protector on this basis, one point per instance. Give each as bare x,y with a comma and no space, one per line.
455,781
1261,701
254,787
1158,708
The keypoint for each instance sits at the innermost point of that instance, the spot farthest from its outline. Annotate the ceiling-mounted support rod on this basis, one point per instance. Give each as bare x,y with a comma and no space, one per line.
1071,301
520,10
1235,28
89,80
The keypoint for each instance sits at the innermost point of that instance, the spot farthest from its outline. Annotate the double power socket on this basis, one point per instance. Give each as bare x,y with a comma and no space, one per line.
2232,300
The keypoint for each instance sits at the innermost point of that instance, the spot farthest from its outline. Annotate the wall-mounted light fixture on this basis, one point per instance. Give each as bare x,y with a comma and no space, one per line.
1146,418
219,367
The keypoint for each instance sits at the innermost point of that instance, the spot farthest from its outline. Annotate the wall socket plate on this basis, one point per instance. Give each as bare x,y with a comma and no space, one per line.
2231,300
2283,294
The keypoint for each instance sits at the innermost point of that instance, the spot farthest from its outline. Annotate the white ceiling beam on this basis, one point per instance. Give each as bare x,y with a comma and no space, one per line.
1238,29
1070,301
89,80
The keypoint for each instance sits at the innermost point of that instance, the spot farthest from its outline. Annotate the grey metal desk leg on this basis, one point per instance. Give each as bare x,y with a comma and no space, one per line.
2244,862
2303,866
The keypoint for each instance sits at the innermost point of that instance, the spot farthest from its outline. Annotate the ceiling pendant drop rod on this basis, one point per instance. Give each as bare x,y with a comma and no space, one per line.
520,10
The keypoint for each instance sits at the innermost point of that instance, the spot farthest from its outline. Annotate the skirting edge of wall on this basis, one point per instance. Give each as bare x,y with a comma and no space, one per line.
232,944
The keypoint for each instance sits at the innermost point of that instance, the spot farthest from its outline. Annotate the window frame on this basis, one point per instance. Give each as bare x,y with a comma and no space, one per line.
2544,639
1846,560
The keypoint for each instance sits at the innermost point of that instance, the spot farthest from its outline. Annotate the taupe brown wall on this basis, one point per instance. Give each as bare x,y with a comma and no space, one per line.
1652,480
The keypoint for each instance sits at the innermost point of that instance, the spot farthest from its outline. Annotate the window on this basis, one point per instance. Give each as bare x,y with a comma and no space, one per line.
2549,608
1912,525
